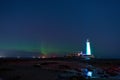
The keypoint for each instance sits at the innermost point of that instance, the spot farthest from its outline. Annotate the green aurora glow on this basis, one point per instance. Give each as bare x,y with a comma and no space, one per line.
43,48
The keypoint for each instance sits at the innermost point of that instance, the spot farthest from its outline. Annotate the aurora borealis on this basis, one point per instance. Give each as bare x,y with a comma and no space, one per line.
60,27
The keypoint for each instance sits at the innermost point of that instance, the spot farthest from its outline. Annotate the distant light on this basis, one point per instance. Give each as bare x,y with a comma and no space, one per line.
33,57
1,56
43,57
79,54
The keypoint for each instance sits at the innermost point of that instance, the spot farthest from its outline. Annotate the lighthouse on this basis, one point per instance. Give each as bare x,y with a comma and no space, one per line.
88,49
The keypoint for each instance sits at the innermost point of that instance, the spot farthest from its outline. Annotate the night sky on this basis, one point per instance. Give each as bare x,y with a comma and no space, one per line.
32,27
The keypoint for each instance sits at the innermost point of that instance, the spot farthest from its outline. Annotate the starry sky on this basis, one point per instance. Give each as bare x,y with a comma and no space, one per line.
34,27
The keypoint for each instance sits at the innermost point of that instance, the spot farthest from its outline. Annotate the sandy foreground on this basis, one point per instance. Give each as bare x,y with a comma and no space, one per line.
25,72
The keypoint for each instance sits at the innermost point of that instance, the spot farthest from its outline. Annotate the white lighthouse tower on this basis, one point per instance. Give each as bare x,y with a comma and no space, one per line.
88,49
